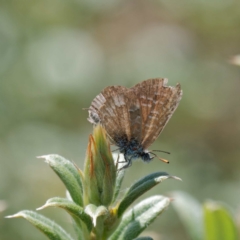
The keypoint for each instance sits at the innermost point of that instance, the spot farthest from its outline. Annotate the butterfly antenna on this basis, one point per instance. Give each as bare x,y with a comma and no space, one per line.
161,151
162,159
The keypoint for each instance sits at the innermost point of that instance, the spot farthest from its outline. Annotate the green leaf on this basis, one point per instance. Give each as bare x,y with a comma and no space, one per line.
119,160
190,212
139,217
144,238
72,208
69,175
81,229
141,187
150,177
80,232
219,223
52,230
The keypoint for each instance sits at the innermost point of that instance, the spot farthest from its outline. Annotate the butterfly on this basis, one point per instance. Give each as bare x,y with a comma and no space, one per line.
134,117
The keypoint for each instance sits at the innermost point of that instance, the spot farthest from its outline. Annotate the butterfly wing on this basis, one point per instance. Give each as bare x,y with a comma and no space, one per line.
121,115
139,113
96,104
118,109
157,102
99,101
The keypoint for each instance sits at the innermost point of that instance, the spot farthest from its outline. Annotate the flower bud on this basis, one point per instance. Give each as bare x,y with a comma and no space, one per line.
100,170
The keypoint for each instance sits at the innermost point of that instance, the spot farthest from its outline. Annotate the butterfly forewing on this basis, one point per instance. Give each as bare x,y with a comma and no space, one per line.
114,114
93,110
100,100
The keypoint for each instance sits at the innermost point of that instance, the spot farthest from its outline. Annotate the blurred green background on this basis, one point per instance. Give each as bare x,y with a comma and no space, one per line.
56,56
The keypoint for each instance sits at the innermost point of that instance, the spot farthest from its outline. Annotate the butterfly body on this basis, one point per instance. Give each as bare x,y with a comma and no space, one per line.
134,117
133,150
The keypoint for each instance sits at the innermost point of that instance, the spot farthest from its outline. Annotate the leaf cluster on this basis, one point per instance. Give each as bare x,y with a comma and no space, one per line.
93,201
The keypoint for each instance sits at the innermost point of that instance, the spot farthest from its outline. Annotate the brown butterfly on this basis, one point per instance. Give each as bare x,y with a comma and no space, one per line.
134,117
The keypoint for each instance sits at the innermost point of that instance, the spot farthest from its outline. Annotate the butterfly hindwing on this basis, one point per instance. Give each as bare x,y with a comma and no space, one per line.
158,102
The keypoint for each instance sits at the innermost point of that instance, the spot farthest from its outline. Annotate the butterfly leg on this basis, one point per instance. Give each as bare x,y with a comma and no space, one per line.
128,162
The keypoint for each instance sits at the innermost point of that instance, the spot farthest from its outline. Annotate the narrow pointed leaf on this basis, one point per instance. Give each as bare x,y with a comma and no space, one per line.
219,223
147,178
119,160
141,187
78,230
69,175
139,217
52,230
190,212
72,208
144,238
